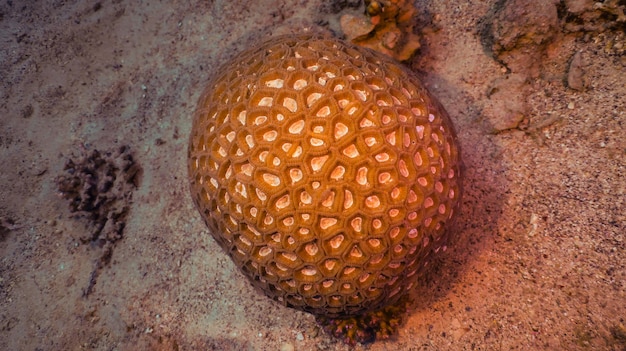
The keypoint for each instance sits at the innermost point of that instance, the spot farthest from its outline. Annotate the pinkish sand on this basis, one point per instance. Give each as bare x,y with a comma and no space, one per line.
539,262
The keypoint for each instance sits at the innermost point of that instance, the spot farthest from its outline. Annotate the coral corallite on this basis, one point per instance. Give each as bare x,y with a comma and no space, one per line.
326,171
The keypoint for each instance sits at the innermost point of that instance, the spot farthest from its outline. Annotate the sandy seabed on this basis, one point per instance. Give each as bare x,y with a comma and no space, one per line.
539,260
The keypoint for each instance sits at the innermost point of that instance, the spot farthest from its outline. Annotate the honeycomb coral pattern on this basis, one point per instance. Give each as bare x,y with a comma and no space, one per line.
326,171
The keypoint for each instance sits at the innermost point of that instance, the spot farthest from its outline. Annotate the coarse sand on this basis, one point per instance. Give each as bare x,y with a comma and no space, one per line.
539,259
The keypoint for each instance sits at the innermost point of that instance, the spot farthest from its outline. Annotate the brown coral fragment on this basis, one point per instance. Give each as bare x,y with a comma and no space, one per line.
387,26
616,8
99,187
369,327
593,16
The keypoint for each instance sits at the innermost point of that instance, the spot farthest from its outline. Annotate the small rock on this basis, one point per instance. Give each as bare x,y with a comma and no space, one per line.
506,107
355,27
575,75
579,6
287,347
534,220
456,331
519,32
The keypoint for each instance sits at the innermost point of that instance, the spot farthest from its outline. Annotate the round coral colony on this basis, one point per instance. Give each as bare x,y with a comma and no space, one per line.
326,171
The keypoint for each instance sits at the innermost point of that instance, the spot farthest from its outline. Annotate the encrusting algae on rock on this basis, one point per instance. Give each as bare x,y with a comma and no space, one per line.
329,175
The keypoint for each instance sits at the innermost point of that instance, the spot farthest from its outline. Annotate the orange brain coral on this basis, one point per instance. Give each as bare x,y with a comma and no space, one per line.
326,171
